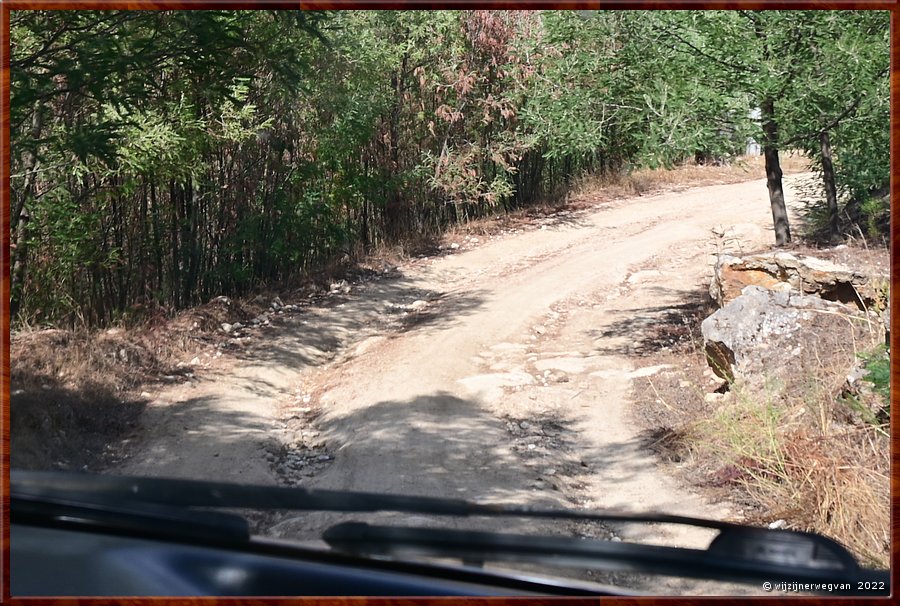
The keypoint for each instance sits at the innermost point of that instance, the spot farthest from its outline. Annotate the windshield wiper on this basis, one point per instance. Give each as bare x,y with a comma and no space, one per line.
116,490
738,553
742,554
129,517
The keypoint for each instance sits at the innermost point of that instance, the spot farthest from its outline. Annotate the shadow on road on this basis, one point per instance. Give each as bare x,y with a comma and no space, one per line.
436,445
386,305
54,427
645,331
206,437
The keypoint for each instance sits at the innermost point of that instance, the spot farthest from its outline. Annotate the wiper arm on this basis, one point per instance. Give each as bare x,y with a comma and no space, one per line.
738,554
164,521
115,490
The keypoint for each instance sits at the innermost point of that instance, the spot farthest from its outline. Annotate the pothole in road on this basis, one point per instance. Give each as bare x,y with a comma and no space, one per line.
301,452
544,444
294,464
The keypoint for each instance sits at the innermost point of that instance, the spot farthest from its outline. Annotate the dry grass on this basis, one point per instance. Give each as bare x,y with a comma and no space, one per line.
835,482
74,359
71,394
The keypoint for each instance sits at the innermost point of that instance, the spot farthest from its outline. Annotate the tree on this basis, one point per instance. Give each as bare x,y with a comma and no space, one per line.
111,108
807,71
846,91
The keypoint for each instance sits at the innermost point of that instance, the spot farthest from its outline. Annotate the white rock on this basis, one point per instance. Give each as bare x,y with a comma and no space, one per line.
418,305
454,246
648,371
226,327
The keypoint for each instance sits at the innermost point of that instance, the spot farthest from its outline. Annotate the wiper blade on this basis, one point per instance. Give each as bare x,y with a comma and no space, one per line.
742,554
165,521
115,490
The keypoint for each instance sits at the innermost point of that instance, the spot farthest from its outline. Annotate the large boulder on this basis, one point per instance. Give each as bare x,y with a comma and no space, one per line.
764,336
783,271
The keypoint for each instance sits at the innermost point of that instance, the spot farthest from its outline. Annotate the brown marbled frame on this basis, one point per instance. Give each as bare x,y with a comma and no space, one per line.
7,5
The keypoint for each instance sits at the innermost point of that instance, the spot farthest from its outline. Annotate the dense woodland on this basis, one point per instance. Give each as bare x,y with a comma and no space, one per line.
161,158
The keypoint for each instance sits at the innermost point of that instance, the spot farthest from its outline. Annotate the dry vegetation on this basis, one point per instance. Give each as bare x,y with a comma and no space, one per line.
71,392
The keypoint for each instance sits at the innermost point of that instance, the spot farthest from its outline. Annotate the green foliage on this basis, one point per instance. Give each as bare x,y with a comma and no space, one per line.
878,364
875,214
170,156
872,403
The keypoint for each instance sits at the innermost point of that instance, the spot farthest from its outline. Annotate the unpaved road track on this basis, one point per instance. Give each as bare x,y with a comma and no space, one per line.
509,382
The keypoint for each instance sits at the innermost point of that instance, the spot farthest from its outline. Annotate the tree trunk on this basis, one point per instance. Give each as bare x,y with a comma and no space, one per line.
20,216
394,203
830,188
773,174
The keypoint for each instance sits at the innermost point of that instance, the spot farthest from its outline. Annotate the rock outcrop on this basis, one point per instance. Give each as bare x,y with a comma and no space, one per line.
783,272
768,335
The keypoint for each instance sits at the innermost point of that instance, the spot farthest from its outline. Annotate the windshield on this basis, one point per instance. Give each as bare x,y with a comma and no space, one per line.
622,262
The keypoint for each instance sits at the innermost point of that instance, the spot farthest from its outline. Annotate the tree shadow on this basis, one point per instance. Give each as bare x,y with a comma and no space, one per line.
392,304
202,438
646,331
54,427
440,445
562,218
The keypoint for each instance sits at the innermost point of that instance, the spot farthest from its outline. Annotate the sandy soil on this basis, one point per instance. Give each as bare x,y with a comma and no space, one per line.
500,373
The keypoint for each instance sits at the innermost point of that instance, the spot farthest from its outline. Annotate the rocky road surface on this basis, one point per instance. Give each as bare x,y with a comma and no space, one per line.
499,371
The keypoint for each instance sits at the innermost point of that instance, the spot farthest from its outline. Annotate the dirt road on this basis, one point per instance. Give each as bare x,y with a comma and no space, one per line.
500,371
